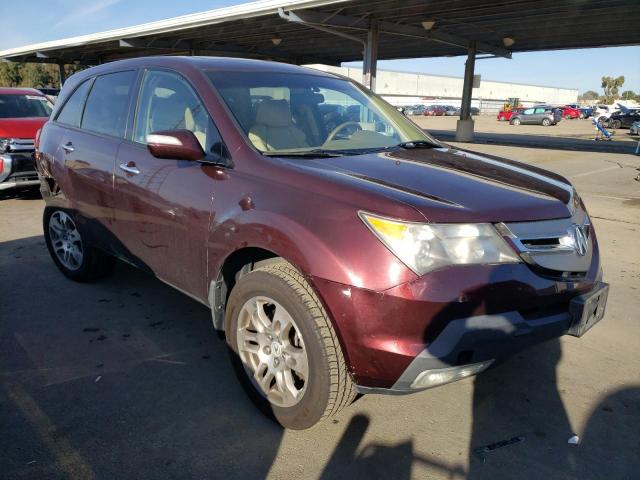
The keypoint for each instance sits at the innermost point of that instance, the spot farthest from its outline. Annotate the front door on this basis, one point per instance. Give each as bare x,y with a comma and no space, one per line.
163,206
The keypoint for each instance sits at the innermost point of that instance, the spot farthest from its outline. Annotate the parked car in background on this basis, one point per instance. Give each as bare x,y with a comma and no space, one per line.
505,115
635,128
586,112
473,111
434,111
450,110
624,120
569,112
22,112
362,257
540,115
417,110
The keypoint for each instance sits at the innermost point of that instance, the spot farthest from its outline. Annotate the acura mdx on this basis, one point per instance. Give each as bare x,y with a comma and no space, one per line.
340,248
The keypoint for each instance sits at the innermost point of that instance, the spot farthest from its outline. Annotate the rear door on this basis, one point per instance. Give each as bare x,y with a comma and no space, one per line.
538,115
92,135
163,206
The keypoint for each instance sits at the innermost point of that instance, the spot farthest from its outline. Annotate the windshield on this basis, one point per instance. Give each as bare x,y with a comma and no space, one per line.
298,113
21,106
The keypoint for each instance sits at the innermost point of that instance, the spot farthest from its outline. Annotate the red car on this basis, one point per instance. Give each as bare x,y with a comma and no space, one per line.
505,115
340,253
22,112
435,111
570,112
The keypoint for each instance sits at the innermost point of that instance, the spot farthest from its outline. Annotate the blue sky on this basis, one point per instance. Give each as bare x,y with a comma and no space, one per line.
53,19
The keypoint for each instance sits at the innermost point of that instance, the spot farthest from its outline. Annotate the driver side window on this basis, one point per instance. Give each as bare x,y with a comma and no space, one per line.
167,102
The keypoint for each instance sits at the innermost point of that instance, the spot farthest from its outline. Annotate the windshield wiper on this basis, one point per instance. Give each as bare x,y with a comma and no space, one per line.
418,144
315,153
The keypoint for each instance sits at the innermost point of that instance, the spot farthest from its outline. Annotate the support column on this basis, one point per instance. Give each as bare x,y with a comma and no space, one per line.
464,129
370,65
61,74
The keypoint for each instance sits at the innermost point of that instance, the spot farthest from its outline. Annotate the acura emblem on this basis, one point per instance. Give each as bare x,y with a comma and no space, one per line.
579,235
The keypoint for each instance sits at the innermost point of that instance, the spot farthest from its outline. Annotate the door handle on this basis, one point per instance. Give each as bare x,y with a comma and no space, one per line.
129,168
68,147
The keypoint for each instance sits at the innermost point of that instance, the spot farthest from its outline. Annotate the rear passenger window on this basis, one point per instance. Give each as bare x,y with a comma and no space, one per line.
540,110
71,112
167,102
108,104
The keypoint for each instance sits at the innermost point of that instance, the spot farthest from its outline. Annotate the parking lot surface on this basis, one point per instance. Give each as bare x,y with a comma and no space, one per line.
126,379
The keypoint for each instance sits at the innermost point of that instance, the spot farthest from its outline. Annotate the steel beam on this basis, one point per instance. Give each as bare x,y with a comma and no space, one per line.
343,21
61,74
464,128
370,64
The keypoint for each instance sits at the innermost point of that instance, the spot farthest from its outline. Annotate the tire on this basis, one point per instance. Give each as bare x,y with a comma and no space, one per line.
568,117
581,116
280,290
515,121
616,124
546,122
75,258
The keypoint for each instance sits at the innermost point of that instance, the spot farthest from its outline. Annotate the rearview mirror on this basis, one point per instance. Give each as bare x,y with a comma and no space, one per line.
175,144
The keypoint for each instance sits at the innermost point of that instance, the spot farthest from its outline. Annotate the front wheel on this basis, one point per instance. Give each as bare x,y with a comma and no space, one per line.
284,349
73,256
616,124
515,121
568,117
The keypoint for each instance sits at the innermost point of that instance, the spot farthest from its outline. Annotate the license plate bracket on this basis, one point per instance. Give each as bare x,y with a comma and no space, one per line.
588,309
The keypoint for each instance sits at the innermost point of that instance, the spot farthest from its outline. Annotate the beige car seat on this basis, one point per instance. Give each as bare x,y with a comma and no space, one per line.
274,128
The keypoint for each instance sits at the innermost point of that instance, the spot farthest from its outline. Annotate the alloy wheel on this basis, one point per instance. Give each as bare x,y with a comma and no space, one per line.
272,351
65,240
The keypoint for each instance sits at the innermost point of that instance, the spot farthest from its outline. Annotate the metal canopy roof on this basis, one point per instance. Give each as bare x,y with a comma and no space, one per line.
247,30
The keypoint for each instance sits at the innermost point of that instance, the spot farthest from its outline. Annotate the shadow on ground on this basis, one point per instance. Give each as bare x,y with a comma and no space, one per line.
126,379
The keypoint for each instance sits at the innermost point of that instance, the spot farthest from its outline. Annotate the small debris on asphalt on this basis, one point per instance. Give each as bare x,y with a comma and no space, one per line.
100,365
206,357
97,379
101,338
91,329
575,440
105,300
155,324
482,452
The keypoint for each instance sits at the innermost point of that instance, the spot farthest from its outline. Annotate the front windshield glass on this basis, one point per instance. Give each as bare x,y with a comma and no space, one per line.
306,113
22,106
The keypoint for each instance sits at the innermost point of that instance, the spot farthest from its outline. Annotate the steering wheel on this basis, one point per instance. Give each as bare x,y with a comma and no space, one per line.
340,127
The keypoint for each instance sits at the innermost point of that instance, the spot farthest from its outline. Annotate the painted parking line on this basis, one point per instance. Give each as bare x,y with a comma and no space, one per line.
592,172
68,459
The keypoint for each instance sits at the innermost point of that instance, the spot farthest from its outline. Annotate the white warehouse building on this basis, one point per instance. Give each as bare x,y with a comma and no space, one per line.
400,88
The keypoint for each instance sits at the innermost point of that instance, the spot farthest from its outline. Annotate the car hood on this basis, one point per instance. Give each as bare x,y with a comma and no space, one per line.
452,185
20,127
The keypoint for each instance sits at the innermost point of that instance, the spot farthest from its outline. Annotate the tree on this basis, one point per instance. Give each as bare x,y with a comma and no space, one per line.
589,95
10,74
610,86
35,75
629,95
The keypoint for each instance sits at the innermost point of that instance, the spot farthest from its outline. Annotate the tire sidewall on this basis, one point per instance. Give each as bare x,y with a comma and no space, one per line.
310,409
546,122
84,272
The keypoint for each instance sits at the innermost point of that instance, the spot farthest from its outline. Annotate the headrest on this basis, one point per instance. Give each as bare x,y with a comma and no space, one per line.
273,113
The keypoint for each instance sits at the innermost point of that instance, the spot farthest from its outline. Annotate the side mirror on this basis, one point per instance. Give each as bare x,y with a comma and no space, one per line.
175,144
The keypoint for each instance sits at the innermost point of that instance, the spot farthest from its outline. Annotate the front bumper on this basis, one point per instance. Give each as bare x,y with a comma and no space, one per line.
455,318
18,170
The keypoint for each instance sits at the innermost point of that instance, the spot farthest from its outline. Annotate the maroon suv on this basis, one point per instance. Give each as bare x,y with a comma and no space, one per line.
340,248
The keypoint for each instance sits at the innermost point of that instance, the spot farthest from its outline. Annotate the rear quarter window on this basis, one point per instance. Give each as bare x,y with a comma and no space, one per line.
71,112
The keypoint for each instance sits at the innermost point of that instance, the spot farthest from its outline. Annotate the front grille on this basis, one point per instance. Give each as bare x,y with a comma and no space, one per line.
22,163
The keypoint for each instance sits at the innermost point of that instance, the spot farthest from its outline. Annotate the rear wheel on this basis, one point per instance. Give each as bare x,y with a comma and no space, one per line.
581,116
72,255
284,348
546,122
615,124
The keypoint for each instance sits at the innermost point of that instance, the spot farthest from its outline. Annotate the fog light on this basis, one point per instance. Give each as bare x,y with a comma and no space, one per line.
440,376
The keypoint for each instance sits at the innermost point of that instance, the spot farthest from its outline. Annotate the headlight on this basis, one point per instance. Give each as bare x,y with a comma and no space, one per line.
426,247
